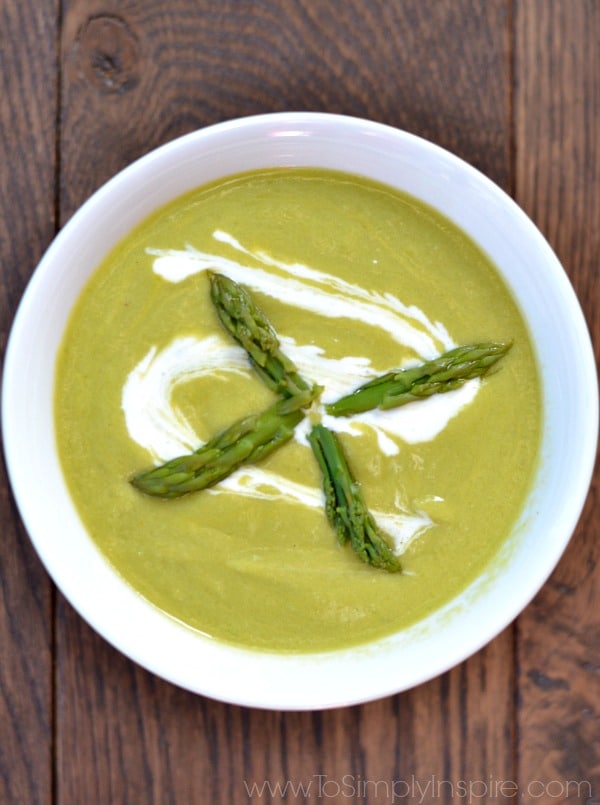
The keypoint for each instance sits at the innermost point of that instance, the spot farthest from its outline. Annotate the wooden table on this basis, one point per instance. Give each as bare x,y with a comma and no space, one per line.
513,87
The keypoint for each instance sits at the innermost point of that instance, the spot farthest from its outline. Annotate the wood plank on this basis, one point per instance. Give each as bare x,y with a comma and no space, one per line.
27,191
557,180
136,75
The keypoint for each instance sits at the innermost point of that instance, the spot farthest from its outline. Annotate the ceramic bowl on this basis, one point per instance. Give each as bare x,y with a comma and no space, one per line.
402,660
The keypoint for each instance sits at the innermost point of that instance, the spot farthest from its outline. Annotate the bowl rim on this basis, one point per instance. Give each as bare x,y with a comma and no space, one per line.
224,660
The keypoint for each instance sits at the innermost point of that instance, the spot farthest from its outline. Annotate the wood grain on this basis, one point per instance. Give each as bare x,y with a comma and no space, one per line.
27,224
558,175
138,74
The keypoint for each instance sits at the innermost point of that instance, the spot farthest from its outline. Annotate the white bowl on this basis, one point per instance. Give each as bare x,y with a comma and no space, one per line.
570,401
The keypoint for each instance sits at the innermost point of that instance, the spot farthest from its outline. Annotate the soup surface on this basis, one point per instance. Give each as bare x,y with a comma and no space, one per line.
357,279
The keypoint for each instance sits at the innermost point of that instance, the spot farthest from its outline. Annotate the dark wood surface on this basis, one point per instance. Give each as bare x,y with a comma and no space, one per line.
513,87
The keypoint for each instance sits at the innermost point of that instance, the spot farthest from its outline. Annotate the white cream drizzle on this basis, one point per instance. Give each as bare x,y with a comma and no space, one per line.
152,420
401,525
316,291
155,422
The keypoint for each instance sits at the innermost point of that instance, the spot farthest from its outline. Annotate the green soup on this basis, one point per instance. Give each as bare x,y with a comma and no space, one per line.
356,278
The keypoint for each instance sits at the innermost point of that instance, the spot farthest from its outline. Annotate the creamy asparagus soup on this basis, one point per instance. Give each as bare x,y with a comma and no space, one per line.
357,280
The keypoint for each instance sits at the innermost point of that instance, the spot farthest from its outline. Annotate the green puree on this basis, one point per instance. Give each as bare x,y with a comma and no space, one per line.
270,574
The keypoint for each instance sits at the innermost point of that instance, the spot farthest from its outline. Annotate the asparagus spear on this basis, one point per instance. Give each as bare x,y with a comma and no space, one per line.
247,441
251,328
445,373
344,504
